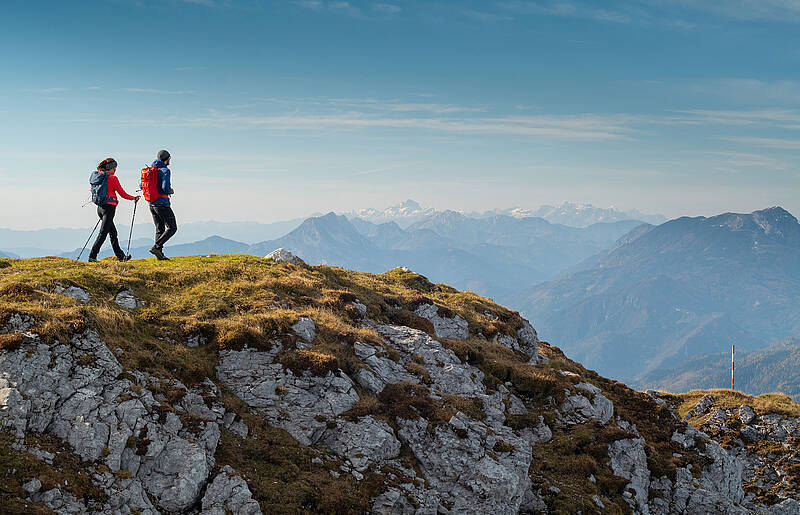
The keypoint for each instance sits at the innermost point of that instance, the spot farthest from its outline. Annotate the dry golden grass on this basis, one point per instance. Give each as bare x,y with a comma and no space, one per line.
731,399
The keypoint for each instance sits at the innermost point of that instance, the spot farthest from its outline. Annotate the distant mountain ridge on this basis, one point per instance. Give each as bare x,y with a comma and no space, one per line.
665,294
773,369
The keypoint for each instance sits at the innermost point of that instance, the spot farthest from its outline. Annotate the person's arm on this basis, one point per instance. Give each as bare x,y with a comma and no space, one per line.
166,183
115,186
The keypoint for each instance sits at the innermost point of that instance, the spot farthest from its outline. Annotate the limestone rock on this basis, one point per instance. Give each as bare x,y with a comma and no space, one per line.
299,404
229,493
746,414
282,255
579,408
701,407
73,292
529,341
305,329
126,299
444,327
363,442
381,371
447,373
73,392
18,323
464,468
629,460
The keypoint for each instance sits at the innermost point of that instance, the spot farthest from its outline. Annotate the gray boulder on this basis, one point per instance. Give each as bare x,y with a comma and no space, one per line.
587,404
305,329
126,299
282,255
74,292
447,373
229,493
455,327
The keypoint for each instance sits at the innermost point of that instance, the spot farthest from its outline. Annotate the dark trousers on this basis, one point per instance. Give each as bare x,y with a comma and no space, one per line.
166,226
107,228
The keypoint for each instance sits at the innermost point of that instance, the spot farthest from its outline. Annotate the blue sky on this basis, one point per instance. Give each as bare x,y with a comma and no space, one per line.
277,109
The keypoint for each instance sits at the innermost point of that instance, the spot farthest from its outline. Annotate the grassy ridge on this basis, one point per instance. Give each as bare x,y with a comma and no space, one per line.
233,301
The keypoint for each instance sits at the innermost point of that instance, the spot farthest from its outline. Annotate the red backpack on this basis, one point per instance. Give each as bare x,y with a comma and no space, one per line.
150,184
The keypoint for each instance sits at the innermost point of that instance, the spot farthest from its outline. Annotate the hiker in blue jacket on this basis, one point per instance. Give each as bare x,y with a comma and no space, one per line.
160,208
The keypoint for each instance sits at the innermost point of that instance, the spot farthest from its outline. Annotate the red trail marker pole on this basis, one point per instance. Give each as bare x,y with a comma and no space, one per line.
733,365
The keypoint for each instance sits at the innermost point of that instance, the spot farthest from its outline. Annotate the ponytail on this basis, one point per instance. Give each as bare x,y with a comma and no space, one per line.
107,164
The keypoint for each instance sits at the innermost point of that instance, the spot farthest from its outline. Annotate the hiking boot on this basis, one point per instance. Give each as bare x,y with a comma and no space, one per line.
92,260
124,258
158,254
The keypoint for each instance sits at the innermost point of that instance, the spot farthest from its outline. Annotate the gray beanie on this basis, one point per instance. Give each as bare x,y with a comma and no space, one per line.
163,155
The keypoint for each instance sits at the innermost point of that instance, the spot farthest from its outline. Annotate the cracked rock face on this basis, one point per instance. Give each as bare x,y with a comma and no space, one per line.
229,493
73,392
462,464
455,327
629,460
447,373
301,405
587,404
18,323
364,442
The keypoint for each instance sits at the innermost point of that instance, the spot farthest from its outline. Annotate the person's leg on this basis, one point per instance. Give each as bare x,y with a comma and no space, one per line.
112,233
102,212
168,218
159,223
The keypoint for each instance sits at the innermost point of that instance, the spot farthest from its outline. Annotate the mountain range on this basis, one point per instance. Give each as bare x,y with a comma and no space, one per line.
491,256
665,294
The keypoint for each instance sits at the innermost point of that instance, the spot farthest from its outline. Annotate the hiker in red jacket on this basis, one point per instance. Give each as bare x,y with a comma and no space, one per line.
105,187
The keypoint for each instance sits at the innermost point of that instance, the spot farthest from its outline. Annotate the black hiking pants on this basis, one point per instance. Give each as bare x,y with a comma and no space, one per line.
106,213
166,226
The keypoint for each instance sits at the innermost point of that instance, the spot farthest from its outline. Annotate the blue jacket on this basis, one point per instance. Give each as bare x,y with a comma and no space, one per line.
164,183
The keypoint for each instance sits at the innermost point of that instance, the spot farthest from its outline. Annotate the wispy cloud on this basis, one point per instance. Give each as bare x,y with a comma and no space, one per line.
779,118
156,91
779,143
746,10
47,91
577,127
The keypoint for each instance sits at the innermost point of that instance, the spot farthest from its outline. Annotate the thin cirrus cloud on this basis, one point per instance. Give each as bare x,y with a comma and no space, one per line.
156,91
776,143
574,127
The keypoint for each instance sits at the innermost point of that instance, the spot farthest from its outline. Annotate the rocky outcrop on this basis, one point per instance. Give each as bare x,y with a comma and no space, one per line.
446,372
75,393
363,442
301,405
453,327
469,465
229,493
588,403
305,329
629,460
284,256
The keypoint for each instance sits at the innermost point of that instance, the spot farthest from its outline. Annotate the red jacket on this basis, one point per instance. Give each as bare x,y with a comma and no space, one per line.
115,187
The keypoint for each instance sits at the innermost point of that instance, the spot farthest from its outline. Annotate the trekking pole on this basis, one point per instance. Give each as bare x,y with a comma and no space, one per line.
130,235
87,240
